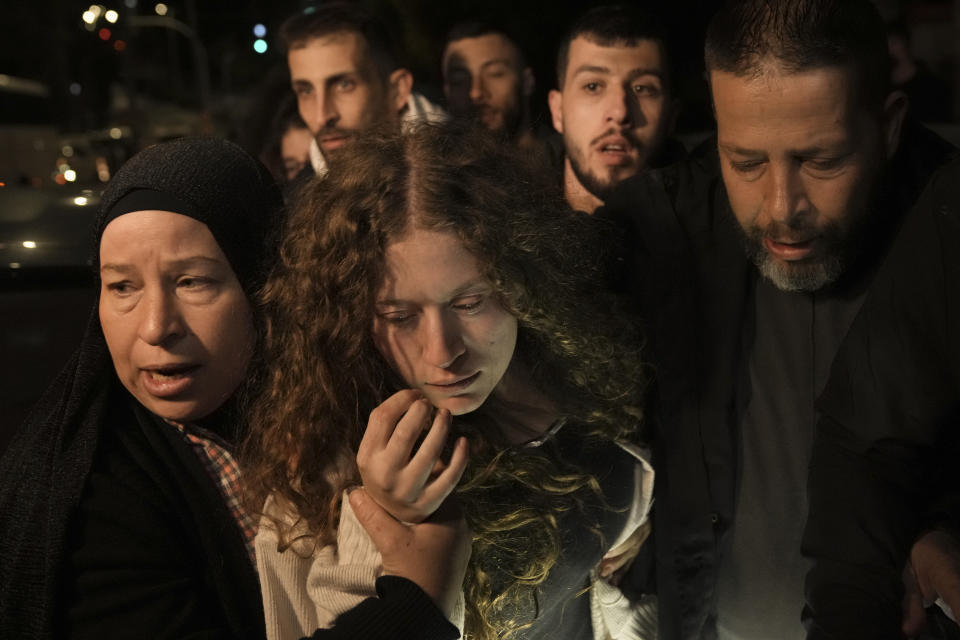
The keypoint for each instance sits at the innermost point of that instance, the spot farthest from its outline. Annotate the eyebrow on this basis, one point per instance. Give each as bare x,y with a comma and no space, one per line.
504,61
633,73
456,293
806,151
182,263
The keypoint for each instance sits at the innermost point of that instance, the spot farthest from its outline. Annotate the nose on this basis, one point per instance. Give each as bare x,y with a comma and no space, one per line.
784,195
160,318
617,108
328,109
441,340
477,90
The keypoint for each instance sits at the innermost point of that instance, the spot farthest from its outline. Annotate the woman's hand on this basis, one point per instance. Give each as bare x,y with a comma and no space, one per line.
409,485
432,554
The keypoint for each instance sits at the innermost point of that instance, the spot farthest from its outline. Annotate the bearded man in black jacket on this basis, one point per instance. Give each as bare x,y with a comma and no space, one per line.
748,263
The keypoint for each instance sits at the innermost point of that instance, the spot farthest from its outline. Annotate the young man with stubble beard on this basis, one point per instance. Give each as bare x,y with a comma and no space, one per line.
614,104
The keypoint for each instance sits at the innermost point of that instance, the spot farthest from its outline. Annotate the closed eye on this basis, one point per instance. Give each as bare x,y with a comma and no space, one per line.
194,282
469,305
746,166
396,317
121,288
825,164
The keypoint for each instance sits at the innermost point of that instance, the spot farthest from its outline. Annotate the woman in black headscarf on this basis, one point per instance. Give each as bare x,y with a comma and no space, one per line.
118,508
119,511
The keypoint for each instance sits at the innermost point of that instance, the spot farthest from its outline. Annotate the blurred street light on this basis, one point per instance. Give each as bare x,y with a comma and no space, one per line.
160,9
111,16
89,17
260,46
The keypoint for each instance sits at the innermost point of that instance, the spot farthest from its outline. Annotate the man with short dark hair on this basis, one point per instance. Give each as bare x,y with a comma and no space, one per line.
751,260
614,103
486,79
345,74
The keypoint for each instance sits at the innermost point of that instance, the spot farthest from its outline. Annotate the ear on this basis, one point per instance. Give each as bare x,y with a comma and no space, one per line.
401,84
529,82
555,100
894,111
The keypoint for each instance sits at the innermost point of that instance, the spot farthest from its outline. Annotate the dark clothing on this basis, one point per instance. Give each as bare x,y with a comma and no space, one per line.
152,549
401,612
794,339
689,275
885,455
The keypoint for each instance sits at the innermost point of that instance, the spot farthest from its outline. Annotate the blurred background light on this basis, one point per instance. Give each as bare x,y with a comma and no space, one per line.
259,30
160,9
260,46
111,16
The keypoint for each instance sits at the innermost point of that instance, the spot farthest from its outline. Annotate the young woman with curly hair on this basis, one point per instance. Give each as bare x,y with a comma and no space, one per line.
430,283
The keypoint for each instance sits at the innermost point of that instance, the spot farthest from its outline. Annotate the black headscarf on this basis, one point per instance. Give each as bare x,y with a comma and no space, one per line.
43,472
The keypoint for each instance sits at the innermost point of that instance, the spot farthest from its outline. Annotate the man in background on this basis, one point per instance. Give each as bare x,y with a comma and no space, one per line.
486,79
614,103
345,73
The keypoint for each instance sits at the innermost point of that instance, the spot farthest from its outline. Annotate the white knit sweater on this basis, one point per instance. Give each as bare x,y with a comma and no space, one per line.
305,588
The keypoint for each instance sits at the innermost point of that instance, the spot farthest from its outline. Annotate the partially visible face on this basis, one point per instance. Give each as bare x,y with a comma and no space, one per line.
483,80
439,324
176,321
295,150
801,163
612,111
339,92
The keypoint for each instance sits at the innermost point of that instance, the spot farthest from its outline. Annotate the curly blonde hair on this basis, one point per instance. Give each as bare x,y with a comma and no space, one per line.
324,375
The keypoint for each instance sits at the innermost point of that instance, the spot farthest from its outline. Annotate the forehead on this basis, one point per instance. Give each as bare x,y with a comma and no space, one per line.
480,50
135,235
341,52
427,265
777,108
617,57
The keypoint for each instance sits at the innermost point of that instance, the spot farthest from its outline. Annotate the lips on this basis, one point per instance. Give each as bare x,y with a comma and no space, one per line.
790,250
168,380
456,385
329,143
615,149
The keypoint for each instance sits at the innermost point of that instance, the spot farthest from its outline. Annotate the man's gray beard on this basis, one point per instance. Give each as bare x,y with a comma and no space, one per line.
798,276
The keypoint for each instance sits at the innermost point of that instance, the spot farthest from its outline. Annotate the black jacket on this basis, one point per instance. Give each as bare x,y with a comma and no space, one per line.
885,453
688,275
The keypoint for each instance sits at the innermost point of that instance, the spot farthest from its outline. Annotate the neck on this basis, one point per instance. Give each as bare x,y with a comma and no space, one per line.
576,194
522,410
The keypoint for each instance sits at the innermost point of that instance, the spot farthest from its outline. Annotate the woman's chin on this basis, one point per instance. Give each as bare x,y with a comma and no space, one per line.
458,405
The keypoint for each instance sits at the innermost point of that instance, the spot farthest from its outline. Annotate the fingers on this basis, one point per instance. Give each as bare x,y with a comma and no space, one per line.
383,421
437,491
428,455
409,427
